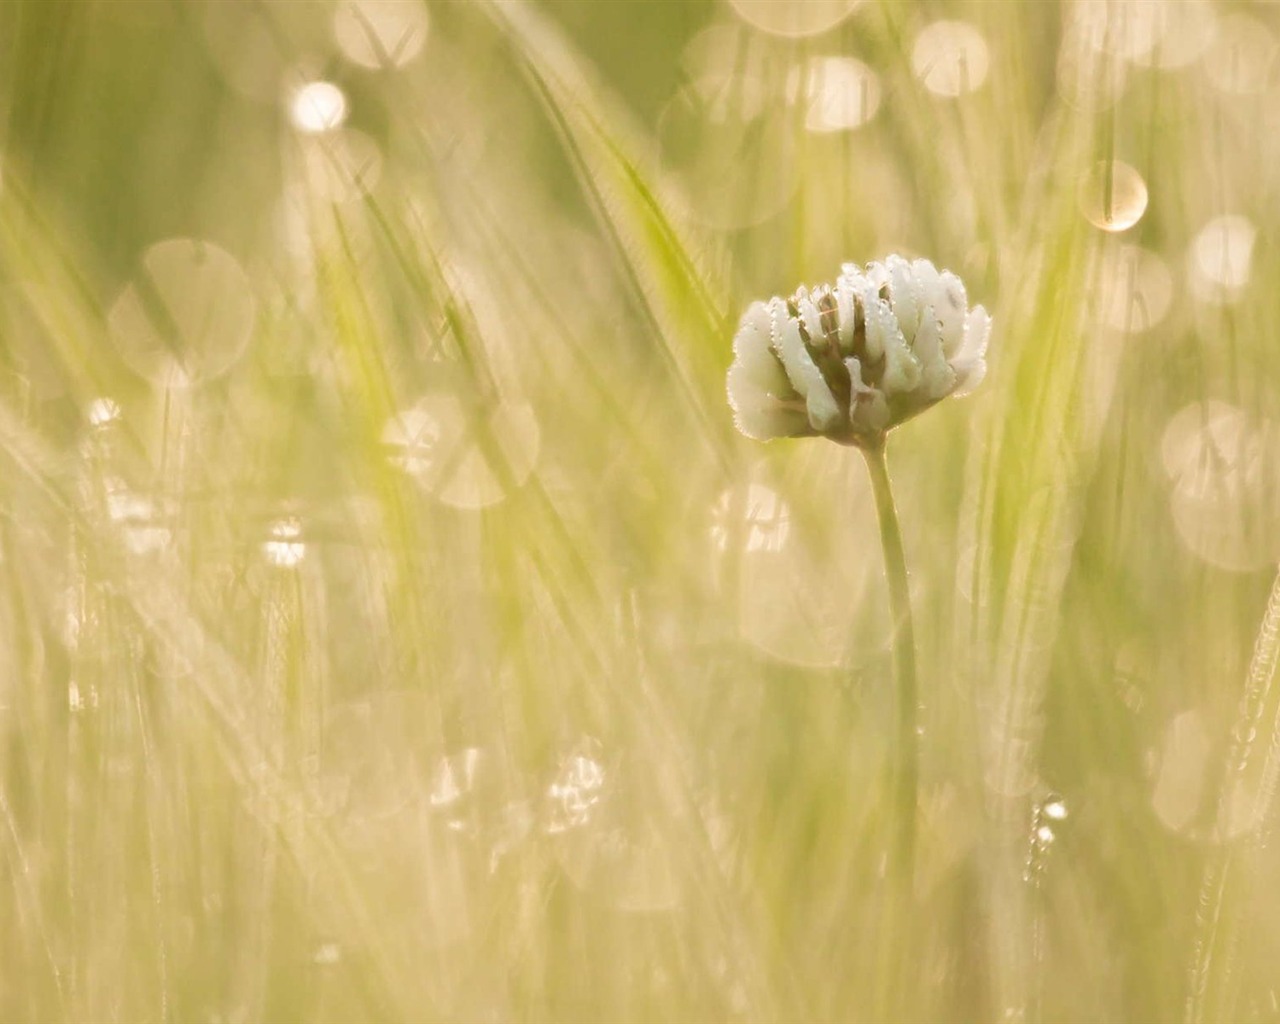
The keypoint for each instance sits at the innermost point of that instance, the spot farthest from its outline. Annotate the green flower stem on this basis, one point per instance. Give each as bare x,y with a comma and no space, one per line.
906,762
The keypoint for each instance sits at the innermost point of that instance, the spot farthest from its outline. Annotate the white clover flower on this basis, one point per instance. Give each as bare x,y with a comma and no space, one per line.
853,361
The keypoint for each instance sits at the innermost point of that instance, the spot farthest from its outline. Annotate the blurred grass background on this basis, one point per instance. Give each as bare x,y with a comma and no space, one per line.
392,626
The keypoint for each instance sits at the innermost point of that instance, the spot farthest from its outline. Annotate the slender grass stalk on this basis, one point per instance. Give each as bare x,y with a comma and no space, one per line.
906,758
899,952
1229,874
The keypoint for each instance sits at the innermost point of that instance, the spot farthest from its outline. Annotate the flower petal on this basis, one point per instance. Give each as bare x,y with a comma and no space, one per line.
977,332
904,296
868,409
802,371
969,374
764,403
937,376
884,338
950,306
847,312
811,319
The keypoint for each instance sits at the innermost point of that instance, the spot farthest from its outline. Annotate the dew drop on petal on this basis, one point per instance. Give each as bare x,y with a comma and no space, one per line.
950,58
380,33
1242,57
317,107
1221,258
188,315
793,19
1113,195
1045,836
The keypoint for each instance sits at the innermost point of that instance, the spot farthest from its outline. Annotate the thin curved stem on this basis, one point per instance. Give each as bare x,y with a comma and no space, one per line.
906,759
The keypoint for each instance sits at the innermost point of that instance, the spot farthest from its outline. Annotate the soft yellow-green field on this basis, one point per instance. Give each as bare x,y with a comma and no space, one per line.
393,626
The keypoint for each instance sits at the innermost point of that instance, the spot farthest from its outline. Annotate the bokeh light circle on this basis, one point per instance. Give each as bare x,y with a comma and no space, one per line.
1220,260
467,458
380,33
188,315
793,19
1113,195
317,107
950,58
1136,289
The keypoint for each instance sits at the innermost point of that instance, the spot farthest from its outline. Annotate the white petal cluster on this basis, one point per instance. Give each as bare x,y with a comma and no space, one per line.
853,360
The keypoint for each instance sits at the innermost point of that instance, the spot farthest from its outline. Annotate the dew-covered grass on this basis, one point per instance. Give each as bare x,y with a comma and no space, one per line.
393,625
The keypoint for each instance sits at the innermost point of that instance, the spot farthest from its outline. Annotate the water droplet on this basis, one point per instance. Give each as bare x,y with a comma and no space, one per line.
380,33
101,412
318,107
285,549
1113,196
793,19
1045,836
187,317
950,58
1221,258
1054,808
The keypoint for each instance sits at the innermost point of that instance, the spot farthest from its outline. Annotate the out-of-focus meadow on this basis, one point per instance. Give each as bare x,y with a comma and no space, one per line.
393,626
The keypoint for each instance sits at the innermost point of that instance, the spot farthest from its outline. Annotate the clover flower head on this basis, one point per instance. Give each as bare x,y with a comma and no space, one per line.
853,360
